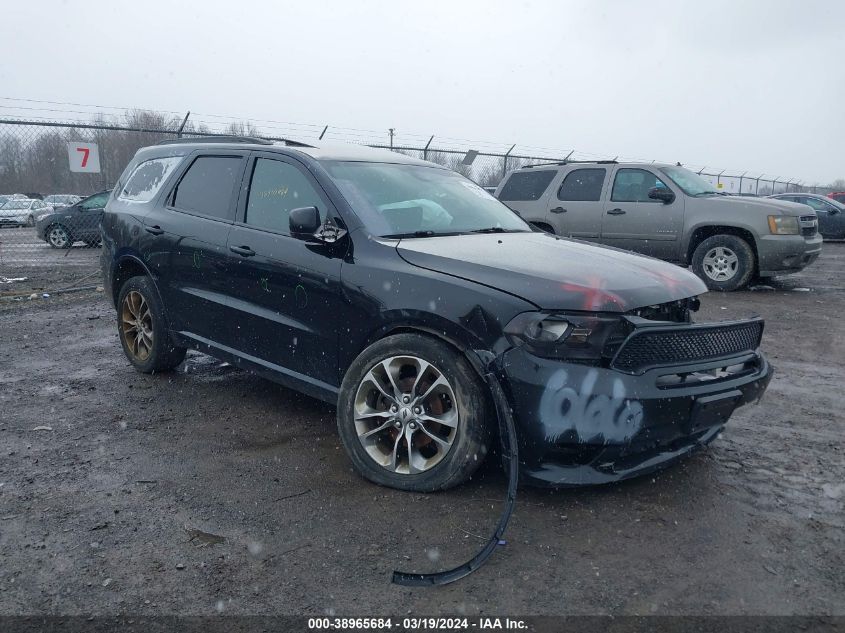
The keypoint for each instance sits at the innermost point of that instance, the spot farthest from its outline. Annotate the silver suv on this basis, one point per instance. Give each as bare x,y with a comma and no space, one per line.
668,212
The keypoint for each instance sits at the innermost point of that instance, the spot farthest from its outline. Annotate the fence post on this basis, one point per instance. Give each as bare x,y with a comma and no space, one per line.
425,149
505,161
182,127
740,179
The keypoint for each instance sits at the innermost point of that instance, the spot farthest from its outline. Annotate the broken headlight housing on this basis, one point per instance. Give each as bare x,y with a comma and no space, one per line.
579,338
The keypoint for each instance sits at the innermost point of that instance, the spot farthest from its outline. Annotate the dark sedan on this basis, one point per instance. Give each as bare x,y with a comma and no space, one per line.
80,222
831,214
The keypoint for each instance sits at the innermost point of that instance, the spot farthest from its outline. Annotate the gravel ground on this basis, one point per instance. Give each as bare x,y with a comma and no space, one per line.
211,490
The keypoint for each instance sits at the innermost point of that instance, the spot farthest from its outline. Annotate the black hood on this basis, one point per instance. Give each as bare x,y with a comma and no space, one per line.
554,273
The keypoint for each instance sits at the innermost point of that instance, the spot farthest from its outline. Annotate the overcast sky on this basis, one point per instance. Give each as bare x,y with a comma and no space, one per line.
756,86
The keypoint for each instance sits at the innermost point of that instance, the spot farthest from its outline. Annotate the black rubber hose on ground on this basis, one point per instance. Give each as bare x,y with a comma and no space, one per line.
507,437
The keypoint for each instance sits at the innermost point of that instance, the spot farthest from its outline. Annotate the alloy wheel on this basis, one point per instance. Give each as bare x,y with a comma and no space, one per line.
136,325
406,415
720,263
58,237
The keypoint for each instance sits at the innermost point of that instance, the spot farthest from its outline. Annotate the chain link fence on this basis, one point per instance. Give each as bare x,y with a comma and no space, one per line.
49,242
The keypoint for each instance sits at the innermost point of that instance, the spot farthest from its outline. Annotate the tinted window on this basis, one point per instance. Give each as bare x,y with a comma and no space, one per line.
276,188
582,185
147,178
526,185
208,185
632,185
818,205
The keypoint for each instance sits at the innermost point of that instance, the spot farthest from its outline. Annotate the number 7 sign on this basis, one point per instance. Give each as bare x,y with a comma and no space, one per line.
83,157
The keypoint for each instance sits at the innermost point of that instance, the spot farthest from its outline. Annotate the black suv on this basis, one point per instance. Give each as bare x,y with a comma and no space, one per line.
420,306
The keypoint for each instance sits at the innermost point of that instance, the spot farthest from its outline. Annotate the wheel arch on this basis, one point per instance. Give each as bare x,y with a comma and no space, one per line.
126,267
701,233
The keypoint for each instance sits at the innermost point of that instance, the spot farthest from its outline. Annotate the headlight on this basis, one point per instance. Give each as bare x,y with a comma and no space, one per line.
784,225
565,336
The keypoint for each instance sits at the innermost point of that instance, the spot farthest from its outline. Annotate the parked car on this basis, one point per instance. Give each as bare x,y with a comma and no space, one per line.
423,308
830,213
10,196
21,212
60,228
839,196
62,200
667,212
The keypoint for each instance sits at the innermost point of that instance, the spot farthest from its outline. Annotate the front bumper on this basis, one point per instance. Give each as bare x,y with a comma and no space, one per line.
780,254
580,424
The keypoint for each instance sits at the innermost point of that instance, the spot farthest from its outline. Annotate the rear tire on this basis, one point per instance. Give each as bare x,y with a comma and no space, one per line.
389,405
143,328
724,262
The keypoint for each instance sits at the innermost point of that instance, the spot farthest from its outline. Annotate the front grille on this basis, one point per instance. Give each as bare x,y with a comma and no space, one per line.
809,225
655,347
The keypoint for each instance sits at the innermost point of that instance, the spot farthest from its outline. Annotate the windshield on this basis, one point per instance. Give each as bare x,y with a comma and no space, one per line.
691,183
395,200
17,204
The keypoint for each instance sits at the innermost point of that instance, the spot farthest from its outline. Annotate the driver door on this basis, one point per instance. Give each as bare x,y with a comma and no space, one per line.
635,222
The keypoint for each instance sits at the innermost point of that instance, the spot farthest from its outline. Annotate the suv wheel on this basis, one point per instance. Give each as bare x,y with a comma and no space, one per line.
143,328
724,262
59,237
412,414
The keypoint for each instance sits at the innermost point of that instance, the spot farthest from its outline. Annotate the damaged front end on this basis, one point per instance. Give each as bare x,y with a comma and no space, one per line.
602,397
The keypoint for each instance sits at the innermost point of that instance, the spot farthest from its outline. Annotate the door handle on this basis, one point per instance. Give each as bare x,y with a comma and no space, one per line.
616,212
244,251
558,210
155,230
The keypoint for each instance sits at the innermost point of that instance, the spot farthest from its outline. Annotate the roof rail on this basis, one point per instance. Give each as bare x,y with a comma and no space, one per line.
217,139
571,162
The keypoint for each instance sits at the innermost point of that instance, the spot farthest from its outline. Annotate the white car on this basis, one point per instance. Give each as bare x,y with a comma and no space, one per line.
19,212
58,201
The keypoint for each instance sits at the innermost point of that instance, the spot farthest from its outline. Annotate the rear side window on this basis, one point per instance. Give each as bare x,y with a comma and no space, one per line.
208,186
147,178
526,186
276,188
96,202
632,185
582,185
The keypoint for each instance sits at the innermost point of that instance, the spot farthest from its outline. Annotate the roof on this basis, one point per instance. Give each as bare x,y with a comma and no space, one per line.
318,150
587,163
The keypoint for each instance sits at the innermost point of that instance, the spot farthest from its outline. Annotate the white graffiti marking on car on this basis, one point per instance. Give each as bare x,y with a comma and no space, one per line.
594,417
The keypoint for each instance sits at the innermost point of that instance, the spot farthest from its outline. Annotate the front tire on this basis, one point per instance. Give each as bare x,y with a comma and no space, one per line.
413,415
143,329
724,262
59,237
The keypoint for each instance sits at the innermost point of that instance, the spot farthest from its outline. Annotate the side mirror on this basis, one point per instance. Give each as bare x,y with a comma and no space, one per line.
304,222
664,194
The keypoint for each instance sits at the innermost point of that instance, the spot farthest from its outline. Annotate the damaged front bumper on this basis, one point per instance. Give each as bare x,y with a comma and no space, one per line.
581,424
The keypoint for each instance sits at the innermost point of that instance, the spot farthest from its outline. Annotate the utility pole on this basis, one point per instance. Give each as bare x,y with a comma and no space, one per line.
391,131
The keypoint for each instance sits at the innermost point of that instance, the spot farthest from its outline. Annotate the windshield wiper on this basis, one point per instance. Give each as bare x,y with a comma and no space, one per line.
707,193
497,229
417,234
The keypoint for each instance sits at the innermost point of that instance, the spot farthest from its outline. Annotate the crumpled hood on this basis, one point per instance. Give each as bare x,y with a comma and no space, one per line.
553,272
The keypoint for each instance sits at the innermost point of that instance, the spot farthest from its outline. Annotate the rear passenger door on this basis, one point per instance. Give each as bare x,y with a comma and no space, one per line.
191,227
527,193
575,205
286,291
635,222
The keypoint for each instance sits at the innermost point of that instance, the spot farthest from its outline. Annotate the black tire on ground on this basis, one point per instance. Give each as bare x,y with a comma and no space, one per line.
156,353
475,413
58,236
724,262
